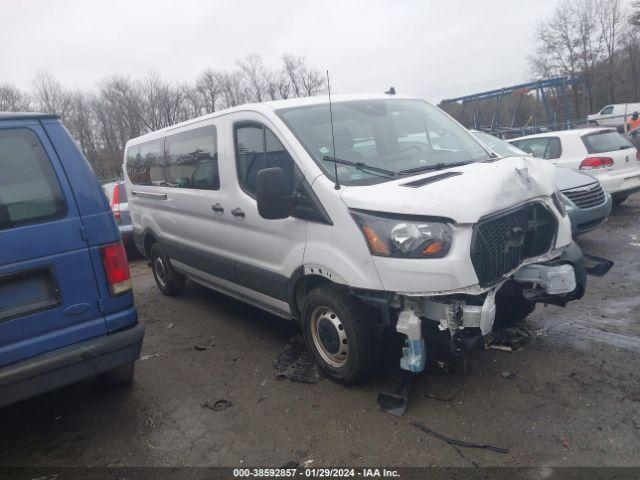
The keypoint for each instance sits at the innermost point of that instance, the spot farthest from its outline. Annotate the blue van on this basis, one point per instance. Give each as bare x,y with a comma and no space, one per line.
66,305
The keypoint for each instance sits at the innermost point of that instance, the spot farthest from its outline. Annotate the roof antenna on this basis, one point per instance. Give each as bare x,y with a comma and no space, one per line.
333,140
391,91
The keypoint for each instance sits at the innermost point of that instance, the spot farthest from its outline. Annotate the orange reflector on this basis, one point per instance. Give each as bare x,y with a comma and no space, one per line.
433,249
377,245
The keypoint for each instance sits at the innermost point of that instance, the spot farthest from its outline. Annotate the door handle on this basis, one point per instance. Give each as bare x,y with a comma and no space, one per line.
154,195
237,212
217,208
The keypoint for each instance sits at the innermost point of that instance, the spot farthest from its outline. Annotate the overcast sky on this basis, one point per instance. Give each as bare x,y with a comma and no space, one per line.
435,49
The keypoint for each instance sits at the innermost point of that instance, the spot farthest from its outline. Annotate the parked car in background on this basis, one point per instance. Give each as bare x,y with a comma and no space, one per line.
386,214
586,202
615,115
117,196
601,152
66,306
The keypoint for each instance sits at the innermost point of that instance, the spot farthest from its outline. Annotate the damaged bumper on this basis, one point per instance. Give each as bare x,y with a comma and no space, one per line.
557,281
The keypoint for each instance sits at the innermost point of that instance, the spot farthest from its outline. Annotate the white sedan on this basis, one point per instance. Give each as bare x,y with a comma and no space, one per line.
600,152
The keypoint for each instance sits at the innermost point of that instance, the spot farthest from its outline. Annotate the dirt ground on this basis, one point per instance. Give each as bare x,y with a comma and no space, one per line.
571,398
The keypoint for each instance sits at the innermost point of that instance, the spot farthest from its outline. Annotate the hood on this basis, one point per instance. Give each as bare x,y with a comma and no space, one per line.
480,189
566,179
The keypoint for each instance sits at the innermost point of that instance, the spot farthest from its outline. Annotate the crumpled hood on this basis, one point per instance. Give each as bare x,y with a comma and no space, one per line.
482,188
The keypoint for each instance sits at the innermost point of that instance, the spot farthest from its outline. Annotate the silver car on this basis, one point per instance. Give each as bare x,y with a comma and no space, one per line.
117,196
586,202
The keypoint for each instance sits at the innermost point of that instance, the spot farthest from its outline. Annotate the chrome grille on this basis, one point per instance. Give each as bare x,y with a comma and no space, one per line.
588,196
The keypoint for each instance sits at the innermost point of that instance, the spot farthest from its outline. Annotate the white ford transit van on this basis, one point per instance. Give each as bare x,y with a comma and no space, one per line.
422,226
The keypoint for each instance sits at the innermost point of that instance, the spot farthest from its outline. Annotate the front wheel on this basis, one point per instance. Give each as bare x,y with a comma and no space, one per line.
617,201
511,306
341,334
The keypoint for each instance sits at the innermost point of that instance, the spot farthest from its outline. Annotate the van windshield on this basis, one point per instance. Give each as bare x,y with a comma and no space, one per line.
390,134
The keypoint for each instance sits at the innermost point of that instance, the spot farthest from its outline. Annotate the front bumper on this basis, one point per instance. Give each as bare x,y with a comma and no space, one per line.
586,219
69,365
556,281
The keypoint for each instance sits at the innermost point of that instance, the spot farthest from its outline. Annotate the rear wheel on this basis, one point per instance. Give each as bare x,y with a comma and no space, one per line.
617,201
341,334
169,281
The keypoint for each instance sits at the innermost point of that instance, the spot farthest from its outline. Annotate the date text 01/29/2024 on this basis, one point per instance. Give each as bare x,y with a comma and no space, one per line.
315,473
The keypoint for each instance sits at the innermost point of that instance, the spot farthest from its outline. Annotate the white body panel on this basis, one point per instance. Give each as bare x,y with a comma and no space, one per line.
280,248
613,115
623,175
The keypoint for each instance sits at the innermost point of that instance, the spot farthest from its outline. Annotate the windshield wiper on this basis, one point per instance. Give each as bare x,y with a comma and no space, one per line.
436,166
360,165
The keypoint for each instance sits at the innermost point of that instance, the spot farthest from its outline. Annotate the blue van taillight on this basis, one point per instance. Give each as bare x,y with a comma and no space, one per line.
116,268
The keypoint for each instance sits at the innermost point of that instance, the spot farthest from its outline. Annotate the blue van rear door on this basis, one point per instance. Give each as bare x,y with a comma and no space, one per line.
48,292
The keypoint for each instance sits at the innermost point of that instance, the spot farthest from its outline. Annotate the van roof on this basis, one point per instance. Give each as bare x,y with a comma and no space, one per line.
26,115
271,106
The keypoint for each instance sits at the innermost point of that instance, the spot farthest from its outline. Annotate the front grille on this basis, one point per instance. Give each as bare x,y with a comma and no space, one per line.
588,196
502,242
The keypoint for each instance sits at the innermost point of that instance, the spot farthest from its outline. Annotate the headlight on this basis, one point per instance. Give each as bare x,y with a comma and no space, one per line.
387,236
558,201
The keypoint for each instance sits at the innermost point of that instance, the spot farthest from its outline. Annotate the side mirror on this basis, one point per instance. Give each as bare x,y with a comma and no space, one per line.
275,199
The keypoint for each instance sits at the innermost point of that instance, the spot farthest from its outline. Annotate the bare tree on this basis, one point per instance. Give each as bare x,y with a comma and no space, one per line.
284,86
589,46
631,49
253,71
12,99
559,45
233,92
292,68
163,103
313,81
49,94
209,84
122,108
304,81
610,17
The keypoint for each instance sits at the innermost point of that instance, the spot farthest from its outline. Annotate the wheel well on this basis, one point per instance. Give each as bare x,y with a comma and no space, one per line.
304,286
149,240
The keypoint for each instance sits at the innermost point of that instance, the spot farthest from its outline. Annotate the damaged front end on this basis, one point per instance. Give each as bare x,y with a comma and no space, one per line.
556,281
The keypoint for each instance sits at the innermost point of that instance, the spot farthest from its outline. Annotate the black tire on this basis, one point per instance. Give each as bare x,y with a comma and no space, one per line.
355,327
119,376
617,201
511,306
169,281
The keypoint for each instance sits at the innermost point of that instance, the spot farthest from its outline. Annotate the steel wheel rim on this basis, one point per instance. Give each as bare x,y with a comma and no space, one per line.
329,336
161,273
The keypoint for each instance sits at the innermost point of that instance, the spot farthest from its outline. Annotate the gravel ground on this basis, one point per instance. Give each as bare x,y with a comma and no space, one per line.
571,398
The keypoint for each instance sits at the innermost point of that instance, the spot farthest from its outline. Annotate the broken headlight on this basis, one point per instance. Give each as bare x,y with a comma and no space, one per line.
390,236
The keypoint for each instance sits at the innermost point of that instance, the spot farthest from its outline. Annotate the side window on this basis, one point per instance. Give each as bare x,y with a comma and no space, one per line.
29,188
607,110
534,146
145,164
548,148
258,148
192,159
554,149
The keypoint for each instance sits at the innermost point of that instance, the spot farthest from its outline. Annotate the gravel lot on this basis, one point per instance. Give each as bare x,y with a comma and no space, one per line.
572,399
